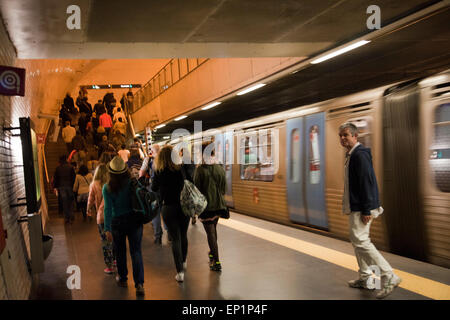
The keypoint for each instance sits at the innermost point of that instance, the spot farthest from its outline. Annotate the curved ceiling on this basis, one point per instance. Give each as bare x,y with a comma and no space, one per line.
48,80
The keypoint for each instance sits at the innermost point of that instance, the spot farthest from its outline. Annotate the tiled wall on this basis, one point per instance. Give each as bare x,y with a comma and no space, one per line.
15,279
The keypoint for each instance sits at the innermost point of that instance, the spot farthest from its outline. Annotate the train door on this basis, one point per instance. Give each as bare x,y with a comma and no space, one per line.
314,138
305,170
228,166
295,172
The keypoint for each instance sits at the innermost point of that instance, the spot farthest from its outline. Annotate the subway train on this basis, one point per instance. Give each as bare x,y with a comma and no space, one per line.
288,167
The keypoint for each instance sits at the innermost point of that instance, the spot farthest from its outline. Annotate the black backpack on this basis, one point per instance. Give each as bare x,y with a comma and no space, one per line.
144,202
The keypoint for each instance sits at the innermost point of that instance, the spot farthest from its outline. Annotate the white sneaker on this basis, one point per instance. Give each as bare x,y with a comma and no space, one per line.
185,265
180,277
389,285
358,284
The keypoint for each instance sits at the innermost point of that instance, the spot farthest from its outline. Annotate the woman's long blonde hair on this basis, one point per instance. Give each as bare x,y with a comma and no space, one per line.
101,174
164,159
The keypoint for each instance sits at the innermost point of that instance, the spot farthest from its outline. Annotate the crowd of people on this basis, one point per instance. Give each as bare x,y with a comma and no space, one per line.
107,195
101,188
103,127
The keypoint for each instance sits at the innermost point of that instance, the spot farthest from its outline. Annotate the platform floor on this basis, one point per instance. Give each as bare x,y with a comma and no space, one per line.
260,259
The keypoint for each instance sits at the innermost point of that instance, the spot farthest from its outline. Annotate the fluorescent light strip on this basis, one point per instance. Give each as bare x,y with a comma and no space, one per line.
180,118
160,126
211,105
257,86
340,51
166,137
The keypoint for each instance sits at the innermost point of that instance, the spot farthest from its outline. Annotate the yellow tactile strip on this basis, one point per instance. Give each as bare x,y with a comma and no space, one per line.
420,285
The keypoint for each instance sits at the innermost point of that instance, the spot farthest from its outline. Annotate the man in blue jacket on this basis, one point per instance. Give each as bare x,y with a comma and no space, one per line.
362,204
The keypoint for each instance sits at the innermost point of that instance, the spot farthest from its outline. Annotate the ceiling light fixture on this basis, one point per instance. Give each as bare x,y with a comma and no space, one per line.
257,86
340,51
180,118
160,126
166,137
211,105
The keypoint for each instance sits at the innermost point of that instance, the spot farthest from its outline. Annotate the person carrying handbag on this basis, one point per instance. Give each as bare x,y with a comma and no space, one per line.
210,180
81,188
168,180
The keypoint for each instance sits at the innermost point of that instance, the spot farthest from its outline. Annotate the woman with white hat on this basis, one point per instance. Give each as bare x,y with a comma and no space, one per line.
121,223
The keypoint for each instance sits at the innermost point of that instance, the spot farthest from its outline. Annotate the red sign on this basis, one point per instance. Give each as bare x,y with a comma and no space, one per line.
40,137
12,81
2,234
255,195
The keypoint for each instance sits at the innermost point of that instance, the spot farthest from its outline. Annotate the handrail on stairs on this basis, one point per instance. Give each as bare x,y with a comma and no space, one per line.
130,121
171,73
45,164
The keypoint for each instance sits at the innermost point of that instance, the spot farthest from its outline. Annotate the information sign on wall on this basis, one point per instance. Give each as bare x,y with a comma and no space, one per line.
40,138
12,81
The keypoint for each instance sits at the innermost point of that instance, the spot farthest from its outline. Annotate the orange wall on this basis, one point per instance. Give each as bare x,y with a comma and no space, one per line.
210,81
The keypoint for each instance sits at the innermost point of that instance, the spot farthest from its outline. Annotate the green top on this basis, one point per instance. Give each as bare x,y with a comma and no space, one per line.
116,204
211,182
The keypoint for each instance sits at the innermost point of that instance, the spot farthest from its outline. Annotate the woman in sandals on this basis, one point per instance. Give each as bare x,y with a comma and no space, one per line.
95,206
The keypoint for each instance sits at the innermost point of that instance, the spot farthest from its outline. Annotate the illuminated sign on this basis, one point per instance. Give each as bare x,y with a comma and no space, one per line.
110,86
40,138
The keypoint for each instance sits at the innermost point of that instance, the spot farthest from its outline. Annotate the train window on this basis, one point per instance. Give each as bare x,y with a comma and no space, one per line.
314,155
295,156
440,148
256,157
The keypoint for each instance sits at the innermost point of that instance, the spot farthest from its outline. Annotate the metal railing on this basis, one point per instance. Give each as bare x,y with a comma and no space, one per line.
174,71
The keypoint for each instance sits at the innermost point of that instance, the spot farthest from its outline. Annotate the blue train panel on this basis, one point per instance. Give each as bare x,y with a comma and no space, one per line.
305,167
315,169
294,170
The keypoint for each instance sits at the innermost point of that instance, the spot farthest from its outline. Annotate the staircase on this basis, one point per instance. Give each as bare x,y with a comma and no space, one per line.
53,150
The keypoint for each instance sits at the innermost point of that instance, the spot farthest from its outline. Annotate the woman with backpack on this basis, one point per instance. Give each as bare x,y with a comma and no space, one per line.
210,180
95,206
168,180
81,187
121,223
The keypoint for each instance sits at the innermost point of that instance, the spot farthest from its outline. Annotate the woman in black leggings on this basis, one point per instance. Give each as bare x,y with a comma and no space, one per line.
168,180
209,178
